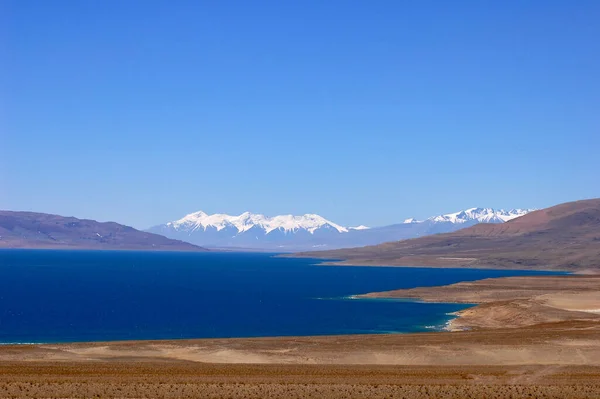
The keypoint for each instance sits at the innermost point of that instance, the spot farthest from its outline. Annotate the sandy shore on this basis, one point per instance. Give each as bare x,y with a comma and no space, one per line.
529,337
514,301
560,343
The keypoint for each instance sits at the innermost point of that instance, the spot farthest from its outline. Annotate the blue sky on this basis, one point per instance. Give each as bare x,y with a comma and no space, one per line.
366,112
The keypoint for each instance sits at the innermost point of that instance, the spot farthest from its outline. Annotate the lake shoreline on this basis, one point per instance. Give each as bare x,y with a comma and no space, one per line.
550,356
511,301
532,299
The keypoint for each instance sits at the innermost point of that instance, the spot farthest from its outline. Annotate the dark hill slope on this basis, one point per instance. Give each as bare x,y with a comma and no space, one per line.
41,230
563,237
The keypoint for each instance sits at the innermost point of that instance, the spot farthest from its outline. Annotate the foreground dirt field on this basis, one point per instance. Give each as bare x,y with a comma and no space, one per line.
151,379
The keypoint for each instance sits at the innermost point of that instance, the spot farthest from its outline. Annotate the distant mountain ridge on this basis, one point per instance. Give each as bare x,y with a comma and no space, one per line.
293,233
562,237
42,230
246,221
481,215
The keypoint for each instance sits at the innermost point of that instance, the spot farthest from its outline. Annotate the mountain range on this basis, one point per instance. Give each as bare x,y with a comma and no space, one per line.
42,230
294,233
563,237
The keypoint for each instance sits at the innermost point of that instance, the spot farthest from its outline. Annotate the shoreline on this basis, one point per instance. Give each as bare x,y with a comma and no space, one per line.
414,295
543,343
511,301
529,298
445,327
461,266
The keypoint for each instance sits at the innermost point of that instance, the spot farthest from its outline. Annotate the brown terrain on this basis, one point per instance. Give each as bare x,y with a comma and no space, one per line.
146,379
563,237
45,231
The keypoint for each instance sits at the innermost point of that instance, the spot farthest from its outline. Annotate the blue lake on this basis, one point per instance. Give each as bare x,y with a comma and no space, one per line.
62,296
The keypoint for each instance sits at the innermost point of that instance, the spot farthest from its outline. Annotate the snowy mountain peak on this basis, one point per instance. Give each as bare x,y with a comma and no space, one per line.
481,215
410,221
361,227
247,220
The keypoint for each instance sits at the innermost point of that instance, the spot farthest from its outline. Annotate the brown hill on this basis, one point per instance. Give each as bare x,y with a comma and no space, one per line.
41,230
563,237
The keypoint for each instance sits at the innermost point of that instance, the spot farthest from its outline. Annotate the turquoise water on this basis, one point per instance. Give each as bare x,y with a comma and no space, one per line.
63,296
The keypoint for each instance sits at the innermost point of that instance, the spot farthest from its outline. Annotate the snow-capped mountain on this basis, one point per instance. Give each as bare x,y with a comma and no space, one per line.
255,231
310,231
361,227
411,221
247,221
478,215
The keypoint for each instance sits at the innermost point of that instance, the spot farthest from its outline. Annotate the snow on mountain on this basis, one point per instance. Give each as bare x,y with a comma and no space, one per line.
361,227
479,215
411,220
292,233
246,221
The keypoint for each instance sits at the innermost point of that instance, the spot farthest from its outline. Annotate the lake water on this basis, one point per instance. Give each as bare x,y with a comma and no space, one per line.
62,296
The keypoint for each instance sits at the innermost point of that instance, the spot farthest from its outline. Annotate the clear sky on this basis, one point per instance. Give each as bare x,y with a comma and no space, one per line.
366,112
